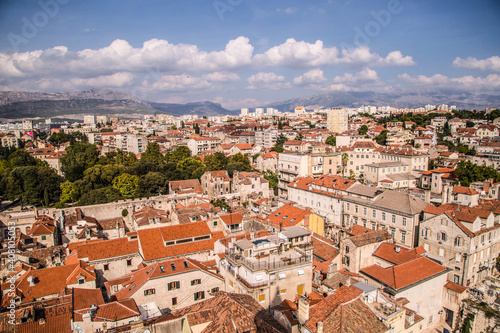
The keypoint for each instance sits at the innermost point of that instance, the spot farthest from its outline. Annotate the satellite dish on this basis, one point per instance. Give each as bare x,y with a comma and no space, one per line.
65,245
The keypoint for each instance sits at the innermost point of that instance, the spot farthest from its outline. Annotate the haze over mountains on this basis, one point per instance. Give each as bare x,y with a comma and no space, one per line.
17,105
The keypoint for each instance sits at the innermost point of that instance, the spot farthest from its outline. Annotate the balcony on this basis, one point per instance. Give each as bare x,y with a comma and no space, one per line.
271,262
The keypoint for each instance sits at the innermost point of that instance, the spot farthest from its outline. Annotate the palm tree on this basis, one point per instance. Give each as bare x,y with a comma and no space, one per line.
345,159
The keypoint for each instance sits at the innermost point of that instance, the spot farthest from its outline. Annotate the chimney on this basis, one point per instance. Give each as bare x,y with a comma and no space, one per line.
332,269
303,310
31,280
348,281
319,327
252,235
427,196
397,248
281,226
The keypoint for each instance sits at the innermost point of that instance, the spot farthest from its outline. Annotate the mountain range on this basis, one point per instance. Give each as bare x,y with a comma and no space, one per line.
18,105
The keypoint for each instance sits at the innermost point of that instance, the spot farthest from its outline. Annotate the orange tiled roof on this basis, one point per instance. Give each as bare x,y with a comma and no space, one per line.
106,249
288,216
455,287
405,274
229,219
324,248
464,190
388,252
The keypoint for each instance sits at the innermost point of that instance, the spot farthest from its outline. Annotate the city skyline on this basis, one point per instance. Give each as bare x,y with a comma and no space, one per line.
246,54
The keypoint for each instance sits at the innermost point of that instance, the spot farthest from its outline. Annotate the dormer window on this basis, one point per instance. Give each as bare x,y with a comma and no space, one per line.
284,217
277,215
81,280
193,218
151,220
158,220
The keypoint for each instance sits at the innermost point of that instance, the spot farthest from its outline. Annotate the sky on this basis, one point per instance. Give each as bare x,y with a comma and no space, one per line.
247,53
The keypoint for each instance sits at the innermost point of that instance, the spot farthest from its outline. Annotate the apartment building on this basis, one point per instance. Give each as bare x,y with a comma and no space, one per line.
267,161
247,184
266,138
464,239
357,250
337,119
197,145
398,213
270,268
390,175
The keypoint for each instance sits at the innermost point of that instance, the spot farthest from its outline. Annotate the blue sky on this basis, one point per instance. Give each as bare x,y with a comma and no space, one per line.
248,52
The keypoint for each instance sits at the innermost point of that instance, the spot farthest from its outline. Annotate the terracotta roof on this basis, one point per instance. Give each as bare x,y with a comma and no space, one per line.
84,298
370,238
405,274
142,217
49,281
364,144
464,190
324,248
227,312
219,174
357,230
42,226
230,219
185,186
455,287
59,324
109,224
243,146
288,216
389,252
152,240
106,249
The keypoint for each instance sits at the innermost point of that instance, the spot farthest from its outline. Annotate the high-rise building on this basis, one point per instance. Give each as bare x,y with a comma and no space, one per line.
337,119
244,112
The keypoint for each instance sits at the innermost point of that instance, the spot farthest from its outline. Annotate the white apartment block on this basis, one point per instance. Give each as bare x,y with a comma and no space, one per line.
197,145
337,120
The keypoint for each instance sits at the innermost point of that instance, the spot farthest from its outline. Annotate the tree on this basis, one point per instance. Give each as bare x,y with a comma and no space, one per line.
191,168
80,156
222,204
468,172
280,140
124,212
470,123
363,130
154,183
382,138
216,161
68,192
352,175
299,137
196,128
331,140
126,184
273,180
179,154
100,196
153,154
46,199
345,160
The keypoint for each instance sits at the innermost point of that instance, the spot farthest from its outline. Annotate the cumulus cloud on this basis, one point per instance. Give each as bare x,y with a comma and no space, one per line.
314,79
489,64
119,79
178,83
221,77
300,54
477,84
314,76
264,80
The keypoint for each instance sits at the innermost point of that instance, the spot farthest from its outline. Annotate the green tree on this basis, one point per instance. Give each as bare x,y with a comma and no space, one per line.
280,140
363,130
124,213
191,167
331,140
222,204
153,154
470,123
345,160
352,175
154,183
381,139
46,199
299,137
216,161
179,154
68,192
126,184
80,156
273,180
100,196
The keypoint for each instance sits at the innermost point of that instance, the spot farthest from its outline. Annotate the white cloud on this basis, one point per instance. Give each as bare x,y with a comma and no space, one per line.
489,64
366,75
119,79
264,80
300,54
221,77
314,76
489,83
178,83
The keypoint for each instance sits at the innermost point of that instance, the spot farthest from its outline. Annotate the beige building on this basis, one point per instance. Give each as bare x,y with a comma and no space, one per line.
337,119
269,268
357,250
247,183
464,239
267,161
373,208
170,284
216,183
197,145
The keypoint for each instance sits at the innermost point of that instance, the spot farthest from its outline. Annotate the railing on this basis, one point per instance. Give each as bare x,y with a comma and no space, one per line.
254,285
236,259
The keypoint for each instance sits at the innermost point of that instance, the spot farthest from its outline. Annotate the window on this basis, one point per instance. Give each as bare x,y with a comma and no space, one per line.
403,237
129,262
347,249
173,266
364,223
458,257
281,292
393,233
44,237
199,295
214,290
195,282
383,216
186,264
81,281
458,241
282,276
106,267
215,223
300,289
174,285
393,219
425,232
374,212
346,260
174,301
148,292
441,236
404,221
365,211
356,208
373,226
231,284
262,298
441,252
443,221
348,206
300,272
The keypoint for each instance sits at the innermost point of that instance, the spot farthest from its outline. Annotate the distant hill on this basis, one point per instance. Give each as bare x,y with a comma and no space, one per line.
21,104
199,108
406,99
